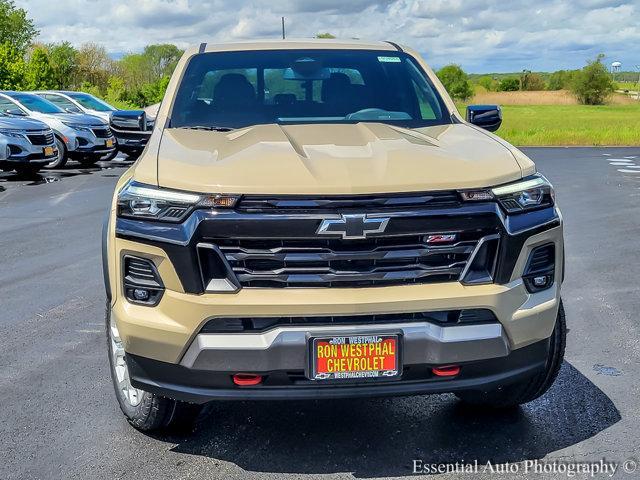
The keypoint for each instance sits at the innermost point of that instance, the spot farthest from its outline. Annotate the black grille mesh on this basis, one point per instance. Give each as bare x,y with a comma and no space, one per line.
41,138
337,203
102,132
377,261
253,324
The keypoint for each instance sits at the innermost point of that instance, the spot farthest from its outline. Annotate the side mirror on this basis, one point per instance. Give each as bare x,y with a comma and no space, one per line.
73,110
16,112
488,117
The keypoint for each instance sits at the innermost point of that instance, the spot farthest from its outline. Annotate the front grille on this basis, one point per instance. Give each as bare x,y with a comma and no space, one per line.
41,138
102,132
378,261
261,324
333,203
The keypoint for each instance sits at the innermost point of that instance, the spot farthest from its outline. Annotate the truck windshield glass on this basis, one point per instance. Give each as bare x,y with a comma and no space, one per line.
35,103
239,89
92,103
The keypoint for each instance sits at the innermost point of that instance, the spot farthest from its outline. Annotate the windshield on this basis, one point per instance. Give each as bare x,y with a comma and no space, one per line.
35,103
90,102
238,89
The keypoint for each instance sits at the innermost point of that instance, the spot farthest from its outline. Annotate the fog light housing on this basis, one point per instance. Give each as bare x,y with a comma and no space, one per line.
540,270
142,282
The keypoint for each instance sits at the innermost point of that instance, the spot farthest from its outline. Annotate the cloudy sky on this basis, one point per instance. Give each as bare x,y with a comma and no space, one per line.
481,35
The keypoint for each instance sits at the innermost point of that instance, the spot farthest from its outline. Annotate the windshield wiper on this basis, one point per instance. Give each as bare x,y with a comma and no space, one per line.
210,128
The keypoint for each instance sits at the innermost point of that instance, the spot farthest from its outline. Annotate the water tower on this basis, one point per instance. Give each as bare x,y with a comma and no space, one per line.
615,67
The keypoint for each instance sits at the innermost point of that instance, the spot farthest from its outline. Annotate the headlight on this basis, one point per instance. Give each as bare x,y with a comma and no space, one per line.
11,133
75,126
524,195
528,194
137,200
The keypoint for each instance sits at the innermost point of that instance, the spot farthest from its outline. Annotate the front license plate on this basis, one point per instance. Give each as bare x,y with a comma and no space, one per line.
48,151
355,357
109,143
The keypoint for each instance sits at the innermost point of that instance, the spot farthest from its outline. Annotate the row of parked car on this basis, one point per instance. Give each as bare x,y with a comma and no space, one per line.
44,129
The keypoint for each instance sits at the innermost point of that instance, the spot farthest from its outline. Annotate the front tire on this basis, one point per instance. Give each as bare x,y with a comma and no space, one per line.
145,411
63,155
525,391
109,156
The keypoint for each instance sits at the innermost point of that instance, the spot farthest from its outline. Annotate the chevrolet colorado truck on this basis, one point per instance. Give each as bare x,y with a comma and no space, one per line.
314,220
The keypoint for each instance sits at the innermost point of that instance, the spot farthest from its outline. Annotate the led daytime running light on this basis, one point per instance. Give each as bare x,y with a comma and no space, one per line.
158,194
520,186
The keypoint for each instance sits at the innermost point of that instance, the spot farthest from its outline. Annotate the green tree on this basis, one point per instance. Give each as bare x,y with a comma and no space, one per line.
134,69
509,84
145,75
561,80
63,58
488,83
593,84
16,28
162,59
12,68
530,81
39,74
456,82
325,35
94,66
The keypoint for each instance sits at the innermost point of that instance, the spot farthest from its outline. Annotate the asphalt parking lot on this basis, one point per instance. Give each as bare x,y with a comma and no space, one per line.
59,418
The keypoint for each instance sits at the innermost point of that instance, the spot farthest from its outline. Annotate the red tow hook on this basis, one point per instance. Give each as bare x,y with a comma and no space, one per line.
247,379
446,371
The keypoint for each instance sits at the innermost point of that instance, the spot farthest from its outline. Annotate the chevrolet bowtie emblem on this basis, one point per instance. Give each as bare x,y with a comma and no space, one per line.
353,226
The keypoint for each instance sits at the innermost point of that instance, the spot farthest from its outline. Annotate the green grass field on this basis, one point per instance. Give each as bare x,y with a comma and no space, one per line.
570,124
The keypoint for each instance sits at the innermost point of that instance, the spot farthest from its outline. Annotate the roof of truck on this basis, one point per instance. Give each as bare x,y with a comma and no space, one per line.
306,43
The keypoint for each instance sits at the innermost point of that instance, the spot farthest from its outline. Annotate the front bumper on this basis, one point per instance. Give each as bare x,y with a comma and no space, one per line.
131,141
201,386
81,143
172,358
33,159
24,152
96,149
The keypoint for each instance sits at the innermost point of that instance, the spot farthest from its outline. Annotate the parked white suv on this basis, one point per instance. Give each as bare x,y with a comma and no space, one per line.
26,145
78,102
84,138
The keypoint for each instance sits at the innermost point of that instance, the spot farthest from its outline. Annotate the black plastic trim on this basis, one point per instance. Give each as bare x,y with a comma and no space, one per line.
201,386
105,254
262,324
395,45
158,288
547,271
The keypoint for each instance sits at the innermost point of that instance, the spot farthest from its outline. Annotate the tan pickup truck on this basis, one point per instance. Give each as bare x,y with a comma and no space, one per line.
315,219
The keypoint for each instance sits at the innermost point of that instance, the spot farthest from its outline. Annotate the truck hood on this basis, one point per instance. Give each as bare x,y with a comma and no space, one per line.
333,159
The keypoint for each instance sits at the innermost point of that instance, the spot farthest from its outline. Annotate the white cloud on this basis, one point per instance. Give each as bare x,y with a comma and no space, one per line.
481,35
